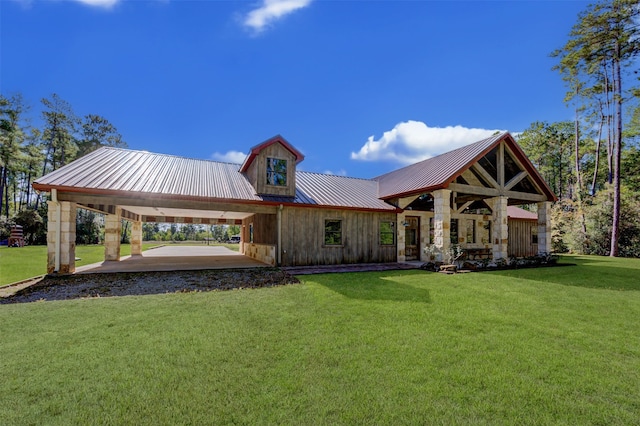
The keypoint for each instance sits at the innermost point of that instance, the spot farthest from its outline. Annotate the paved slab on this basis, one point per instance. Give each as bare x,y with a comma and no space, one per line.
176,258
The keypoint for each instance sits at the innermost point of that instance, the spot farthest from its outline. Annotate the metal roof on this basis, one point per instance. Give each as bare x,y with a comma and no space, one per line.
116,170
514,212
435,172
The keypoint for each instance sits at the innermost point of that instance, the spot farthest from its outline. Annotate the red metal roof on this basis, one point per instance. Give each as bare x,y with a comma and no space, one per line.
435,172
515,212
115,170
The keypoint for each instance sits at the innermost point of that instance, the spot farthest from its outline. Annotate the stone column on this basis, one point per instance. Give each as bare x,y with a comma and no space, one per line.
544,227
136,238
401,238
112,231
67,243
442,220
500,228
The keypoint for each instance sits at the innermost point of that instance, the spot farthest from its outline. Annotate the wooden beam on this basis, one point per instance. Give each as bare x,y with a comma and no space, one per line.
89,199
514,181
471,178
404,202
485,175
464,206
500,165
493,192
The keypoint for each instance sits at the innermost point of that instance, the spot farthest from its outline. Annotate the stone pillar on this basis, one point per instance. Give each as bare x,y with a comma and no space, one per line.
401,238
442,220
67,243
544,227
136,238
112,231
500,228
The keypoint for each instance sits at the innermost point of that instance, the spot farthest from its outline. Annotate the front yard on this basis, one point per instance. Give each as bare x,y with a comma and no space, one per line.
535,346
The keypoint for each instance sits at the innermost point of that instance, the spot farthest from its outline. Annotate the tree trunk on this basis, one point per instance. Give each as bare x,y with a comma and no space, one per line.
615,227
597,160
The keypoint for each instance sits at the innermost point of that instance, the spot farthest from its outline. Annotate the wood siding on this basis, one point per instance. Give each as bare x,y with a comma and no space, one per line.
303,237
257,173
520,244
264,229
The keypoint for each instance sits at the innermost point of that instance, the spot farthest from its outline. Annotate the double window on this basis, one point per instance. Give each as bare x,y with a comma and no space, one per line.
276,172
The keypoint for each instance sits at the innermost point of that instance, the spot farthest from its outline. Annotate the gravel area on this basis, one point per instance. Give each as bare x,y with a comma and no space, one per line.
141,283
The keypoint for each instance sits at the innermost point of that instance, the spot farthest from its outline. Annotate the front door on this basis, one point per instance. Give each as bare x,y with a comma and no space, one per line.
412,238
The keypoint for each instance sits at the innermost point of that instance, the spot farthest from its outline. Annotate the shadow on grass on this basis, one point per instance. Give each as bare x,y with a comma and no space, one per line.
588,272
372,286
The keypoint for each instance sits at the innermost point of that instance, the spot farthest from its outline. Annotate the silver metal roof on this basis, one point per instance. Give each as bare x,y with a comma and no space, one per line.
116,170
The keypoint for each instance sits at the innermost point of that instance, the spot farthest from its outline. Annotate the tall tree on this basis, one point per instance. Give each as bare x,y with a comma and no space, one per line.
96,132
606,33
11,138
60,124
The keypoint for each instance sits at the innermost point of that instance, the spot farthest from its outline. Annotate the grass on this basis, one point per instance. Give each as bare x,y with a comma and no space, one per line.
545,346
26,262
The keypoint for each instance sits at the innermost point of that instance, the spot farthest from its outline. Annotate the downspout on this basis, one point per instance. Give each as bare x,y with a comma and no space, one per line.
279,219
54,198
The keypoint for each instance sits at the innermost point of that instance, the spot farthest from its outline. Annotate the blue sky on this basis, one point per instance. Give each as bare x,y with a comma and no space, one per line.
360,87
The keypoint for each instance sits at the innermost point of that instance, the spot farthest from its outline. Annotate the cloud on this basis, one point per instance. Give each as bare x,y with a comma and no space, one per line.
341,172
412,141
235,157
107,4
271,10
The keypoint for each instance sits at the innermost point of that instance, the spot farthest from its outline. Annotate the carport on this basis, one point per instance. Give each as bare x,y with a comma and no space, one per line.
177,258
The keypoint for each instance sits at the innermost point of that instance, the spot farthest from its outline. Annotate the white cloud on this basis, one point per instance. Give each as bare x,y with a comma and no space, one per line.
341,172
236,157
107,4
271,10
412,141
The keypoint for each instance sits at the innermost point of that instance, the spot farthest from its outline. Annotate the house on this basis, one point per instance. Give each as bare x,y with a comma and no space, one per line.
290,217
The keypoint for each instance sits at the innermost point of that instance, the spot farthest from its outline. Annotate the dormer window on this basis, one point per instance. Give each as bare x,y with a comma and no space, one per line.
276,172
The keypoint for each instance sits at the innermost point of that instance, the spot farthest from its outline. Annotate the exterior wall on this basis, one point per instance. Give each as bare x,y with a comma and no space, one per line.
263,252
303,237
112,231
136,238
257,172
265,229
520,237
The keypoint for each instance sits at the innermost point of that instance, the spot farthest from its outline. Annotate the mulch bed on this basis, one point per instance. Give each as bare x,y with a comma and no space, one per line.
141,283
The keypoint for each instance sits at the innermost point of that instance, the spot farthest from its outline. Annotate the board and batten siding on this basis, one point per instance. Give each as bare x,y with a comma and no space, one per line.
303,237
520,237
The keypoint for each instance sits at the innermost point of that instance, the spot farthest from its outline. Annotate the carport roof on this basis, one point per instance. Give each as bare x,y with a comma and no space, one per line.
116,171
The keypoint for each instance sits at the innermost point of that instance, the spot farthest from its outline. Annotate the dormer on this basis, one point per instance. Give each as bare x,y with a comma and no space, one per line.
271,167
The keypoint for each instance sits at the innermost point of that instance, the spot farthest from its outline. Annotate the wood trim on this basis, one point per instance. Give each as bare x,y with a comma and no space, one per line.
494,192
485,175
517,178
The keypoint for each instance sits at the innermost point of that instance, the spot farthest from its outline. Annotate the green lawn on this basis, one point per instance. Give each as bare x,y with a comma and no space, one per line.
21,263
545,346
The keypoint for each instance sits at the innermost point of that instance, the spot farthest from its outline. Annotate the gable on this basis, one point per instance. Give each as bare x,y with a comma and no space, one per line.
493,167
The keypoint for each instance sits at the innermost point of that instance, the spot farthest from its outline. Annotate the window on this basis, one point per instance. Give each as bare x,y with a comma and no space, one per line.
432,231
454,231
276,172
251,232
534,235
333,232
387,233
471,231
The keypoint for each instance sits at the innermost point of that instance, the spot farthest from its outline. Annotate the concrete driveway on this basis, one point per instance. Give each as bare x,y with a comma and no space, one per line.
176,258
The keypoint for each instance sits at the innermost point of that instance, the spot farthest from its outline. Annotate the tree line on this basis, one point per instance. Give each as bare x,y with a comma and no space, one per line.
593,163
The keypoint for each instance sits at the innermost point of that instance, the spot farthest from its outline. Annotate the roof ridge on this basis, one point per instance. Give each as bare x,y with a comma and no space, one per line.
331,174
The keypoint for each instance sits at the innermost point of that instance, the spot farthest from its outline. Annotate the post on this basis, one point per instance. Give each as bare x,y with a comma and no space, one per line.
61,237
442,220
544,227
500,228
136,238
112,230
